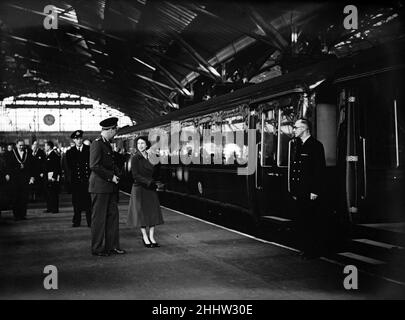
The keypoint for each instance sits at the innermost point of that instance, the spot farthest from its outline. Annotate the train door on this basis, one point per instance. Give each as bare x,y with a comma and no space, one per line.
376,129
274,127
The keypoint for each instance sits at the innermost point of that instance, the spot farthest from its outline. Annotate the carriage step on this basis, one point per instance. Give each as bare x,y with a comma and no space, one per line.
379,244
362,259
275,219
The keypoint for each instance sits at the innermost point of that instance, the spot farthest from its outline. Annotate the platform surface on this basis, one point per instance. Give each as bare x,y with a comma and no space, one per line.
196,261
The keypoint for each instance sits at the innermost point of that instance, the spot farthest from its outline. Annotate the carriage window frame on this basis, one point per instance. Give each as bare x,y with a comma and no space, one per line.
262,132
279,107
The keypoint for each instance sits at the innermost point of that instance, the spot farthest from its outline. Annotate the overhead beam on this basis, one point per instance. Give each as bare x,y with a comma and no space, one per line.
170,77
197,57
146,95
153,81
184,65
279,40
165,97
229,25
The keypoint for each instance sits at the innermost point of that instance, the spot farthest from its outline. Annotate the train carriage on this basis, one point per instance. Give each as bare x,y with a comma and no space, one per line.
356,106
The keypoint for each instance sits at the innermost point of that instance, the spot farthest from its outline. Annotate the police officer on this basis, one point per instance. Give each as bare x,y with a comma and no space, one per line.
103,186
78,163
307,168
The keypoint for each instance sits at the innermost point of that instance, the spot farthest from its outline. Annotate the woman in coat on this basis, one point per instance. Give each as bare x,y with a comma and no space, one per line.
144,207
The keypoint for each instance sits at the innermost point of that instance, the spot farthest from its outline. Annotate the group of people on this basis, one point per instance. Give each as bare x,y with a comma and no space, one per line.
25,171
144,209
93,173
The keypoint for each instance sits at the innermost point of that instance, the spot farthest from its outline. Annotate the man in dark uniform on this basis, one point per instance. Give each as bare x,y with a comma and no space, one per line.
307,169
78,163
38,156
52,177
19,165
103,186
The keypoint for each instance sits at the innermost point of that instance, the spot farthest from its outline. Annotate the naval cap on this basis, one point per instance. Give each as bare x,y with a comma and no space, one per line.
77,134
109,123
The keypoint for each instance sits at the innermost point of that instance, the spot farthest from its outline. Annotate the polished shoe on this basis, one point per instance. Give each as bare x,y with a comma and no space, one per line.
147,245
75,225
154,245
46,211
100,254
117,251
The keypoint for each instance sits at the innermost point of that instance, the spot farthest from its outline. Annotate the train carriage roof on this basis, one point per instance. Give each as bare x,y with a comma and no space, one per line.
300,80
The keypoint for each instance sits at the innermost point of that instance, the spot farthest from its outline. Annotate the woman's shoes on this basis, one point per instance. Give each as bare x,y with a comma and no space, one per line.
147,245
154,245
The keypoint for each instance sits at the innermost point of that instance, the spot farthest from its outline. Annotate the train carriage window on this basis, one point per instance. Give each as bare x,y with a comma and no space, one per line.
269,138
160,140
232,128
189,146
276,132
285,133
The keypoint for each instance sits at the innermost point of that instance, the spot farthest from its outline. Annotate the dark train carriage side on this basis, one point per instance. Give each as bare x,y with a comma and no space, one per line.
356,107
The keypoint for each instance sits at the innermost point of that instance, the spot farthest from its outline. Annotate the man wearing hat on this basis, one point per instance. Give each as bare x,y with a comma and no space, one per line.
78,163
103,186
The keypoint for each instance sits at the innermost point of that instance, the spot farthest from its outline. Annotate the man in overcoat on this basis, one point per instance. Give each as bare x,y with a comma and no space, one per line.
307,169
103,187
53,172
78,163
19,174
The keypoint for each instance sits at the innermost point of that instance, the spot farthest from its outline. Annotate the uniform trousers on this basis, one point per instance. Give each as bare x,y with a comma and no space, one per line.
81,202
52,196
310,225
104,222
20,194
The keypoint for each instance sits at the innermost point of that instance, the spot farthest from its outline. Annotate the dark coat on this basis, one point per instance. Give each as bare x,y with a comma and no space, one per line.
3,169
39,159
19,169
143,172
52,164
307,168
4,192
103,167
78,164
144,207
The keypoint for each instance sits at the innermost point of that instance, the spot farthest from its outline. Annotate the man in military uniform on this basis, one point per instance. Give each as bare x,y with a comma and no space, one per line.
103,186
19,173
78,163
307,168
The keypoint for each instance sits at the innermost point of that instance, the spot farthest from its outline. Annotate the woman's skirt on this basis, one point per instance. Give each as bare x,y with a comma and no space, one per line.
144,208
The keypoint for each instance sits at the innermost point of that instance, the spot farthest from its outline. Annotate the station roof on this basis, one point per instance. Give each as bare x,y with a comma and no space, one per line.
149,58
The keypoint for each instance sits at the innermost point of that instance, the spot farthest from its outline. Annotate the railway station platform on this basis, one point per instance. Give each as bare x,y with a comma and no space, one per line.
196,261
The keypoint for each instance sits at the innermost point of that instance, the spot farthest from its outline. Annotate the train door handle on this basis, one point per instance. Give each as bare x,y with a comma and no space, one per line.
273,174
258,187
363,140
